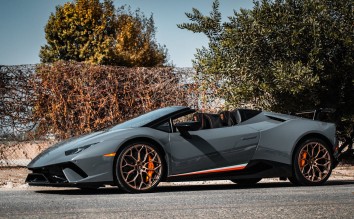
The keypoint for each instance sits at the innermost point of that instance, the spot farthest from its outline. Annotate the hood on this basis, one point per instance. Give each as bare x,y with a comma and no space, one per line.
56,153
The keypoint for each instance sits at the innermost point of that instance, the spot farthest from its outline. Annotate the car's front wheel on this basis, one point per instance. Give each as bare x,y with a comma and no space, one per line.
312,163
139,167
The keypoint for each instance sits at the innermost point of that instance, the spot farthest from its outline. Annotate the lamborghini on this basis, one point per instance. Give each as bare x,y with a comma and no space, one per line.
179,144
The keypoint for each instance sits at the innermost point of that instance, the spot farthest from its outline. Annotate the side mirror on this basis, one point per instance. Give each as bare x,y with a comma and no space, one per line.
185,127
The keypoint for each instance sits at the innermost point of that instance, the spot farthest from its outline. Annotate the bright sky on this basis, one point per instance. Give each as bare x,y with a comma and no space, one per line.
22,26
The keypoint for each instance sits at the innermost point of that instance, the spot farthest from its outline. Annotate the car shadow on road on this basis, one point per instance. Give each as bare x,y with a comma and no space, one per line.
181,188
186,188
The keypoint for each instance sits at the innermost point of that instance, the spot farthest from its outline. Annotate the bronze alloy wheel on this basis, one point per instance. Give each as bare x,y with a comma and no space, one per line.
313,163
139,168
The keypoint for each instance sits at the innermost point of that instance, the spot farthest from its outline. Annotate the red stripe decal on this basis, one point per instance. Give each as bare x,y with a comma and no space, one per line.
217,170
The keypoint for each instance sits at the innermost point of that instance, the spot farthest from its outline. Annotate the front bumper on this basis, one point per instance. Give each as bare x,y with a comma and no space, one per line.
60,175
39,179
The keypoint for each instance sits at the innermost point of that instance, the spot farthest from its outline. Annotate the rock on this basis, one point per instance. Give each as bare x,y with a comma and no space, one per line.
8,185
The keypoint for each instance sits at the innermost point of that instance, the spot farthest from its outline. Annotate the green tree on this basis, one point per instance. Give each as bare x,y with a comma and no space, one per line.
285,55
95,32
135,40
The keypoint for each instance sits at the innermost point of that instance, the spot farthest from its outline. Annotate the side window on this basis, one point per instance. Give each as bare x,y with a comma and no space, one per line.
165,127
185,118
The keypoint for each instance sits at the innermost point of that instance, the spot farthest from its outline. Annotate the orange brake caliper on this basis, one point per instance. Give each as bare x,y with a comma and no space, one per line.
151,167
303,159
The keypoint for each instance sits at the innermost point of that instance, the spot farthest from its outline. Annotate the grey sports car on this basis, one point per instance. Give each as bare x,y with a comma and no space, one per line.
179,144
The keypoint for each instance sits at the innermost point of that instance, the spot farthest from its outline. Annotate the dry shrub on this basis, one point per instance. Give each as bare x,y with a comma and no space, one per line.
74,98
16,98
39,102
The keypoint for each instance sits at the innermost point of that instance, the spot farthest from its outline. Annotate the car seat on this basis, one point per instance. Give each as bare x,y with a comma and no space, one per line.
226,118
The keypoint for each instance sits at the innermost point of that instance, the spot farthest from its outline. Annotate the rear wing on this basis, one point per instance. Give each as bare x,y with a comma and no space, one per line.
322,114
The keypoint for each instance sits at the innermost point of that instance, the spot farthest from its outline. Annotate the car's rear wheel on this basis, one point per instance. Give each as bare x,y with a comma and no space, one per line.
246,182
312,163
139,167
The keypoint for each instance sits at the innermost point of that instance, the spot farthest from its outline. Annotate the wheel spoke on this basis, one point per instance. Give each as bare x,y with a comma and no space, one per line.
141,181
146,154
312,150
128,174
127,163
139,152
305,165
134,179
325,164
319,150
130,155
309,170
313,174
319,172
324,156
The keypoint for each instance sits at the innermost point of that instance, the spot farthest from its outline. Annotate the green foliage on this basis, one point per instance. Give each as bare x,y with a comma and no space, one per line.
94,32
135,41
284,55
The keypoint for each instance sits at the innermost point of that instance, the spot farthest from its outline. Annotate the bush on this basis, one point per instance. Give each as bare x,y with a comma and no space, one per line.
74,98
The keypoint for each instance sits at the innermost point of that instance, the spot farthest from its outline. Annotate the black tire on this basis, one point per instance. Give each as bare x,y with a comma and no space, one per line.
139,167
293,181
246,182
312,163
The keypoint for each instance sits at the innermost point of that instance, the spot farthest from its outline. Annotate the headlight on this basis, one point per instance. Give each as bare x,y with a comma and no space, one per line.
77,150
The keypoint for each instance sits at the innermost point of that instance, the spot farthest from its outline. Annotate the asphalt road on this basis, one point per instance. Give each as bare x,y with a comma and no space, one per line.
266,200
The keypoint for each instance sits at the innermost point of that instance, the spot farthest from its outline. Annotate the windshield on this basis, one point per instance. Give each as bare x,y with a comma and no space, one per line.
146,118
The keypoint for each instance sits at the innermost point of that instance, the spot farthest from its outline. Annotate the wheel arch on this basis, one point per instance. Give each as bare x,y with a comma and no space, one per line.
309,136
293,179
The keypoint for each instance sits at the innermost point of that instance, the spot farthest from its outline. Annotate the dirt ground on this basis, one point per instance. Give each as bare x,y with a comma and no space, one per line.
14,153
14,177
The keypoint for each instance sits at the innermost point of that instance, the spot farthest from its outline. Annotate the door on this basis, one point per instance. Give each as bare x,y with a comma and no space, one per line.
212,150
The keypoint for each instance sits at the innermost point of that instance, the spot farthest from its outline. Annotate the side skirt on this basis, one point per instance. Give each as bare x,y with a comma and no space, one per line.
254,169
